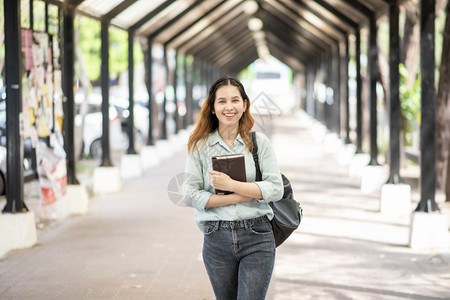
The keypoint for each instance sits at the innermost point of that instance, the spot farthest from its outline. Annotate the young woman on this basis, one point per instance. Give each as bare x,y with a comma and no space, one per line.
238,247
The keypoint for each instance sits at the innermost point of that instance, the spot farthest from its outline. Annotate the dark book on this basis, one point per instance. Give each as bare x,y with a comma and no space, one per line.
233,165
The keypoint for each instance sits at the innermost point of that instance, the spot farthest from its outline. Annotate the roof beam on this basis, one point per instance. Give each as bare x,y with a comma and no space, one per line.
360,7
174,20
302,23
224,33
118,9
225,46
151,15
290,61
334,26
210,29
337,13
186,28
276,17
74,3
245,58
284,35
293,48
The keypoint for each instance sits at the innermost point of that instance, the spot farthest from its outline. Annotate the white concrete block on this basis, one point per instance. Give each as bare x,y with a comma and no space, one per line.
332,143
357,164
165,149
106,180
345,154
318,131
373,178
428,231
396,199
149,157
130,166
74,202
17,231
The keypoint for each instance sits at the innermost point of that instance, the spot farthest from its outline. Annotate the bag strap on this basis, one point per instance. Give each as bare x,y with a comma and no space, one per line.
255,156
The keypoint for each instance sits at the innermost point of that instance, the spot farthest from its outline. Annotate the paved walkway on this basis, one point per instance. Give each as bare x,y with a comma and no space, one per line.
136,244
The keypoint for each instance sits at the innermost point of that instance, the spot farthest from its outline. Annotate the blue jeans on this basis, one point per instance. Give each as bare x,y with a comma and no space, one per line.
239,258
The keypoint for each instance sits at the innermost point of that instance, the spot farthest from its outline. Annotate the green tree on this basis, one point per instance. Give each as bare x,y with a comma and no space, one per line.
90,45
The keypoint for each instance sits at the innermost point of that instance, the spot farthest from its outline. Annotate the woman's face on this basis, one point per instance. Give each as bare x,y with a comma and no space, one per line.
229,106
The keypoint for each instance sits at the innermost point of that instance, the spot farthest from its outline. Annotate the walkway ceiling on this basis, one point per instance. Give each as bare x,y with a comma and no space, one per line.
218,32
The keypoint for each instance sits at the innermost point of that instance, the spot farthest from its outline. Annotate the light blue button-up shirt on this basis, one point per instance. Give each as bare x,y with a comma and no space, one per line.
197,188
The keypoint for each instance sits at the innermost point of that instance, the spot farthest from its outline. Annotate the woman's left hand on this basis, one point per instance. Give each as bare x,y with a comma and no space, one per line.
220,180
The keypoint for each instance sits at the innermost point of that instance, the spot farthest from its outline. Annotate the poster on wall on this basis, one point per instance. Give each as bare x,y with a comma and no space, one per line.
41,107
38,83
52,173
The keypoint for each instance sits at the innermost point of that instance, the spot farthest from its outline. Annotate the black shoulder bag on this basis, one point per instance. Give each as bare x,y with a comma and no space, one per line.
287,212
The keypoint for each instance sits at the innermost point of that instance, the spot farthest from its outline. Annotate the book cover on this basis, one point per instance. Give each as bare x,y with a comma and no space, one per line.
233,165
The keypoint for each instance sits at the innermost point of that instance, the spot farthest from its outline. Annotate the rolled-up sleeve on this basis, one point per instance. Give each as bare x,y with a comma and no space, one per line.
194,191
271,185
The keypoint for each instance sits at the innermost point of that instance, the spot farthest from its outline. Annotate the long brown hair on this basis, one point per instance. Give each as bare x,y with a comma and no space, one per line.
207,122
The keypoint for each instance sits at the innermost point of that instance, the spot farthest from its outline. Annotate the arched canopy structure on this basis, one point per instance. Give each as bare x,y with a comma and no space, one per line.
310,36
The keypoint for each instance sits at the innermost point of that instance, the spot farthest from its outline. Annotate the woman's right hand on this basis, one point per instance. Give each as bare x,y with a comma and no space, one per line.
240,198
224,200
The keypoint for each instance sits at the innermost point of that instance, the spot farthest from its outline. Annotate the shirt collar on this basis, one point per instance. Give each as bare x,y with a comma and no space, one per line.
216,138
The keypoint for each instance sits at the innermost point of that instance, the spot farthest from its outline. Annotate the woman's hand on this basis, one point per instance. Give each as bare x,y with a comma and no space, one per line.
220,180
224,200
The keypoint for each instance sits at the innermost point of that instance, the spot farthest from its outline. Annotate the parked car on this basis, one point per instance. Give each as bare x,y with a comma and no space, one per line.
140,119
29,169
93,130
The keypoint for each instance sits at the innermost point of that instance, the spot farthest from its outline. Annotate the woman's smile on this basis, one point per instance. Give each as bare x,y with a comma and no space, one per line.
229,106
229,115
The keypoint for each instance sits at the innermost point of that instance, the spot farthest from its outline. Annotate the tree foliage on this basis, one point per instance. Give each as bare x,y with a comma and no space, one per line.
90,44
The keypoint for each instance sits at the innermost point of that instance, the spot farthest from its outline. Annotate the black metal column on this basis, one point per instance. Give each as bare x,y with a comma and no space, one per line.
176,115
394,100
106,153
358,93
130,128
188,77
347,89
13,77
304,105
67,54
337,92
373,73
164,134
149,67
328,105
428,109
310,104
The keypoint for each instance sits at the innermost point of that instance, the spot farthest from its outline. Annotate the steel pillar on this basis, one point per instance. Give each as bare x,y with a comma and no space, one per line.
358,93
373,73
428,109
176,116
13,77
164,134
149,67
394,100
130,128
106,153
347,91
188,70
68,84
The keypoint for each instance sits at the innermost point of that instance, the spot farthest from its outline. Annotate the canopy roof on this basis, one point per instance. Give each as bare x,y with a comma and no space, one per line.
229,34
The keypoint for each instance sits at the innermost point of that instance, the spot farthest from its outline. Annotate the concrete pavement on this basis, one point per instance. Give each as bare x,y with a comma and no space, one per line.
137,244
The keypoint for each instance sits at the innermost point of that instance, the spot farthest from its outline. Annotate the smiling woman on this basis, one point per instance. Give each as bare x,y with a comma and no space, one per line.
235,224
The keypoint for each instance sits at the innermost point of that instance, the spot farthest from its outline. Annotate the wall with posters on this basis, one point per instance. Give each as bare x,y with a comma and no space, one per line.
42,111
